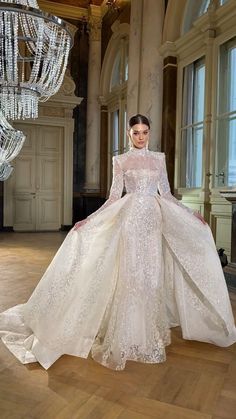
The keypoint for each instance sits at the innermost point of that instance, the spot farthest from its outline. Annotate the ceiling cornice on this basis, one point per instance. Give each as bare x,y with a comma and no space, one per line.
65,11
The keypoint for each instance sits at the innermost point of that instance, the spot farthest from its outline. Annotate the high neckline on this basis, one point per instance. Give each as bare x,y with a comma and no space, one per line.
141,151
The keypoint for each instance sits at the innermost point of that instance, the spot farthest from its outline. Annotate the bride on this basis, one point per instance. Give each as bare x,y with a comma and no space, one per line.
139,265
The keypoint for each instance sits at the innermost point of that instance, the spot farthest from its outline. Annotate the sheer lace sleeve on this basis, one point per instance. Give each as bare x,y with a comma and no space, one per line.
116,187
164,186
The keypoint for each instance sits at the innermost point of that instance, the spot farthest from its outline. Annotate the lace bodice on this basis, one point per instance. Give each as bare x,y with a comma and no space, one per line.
140,171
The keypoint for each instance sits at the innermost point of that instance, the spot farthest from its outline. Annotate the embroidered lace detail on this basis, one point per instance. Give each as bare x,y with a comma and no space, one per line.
116,187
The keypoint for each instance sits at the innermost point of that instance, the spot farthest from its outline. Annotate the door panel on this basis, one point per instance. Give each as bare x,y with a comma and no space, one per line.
30,143
24,212
25,174
50,140
48,213
49,174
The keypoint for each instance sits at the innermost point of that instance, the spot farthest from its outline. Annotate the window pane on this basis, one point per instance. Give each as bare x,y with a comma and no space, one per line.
125,131
191,157
115,77
126,69
193,92
226,150
232,65
187,115
199,84
227,77
115,132
232,153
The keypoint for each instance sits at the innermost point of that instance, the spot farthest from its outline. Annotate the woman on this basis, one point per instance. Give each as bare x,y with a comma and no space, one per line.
136,267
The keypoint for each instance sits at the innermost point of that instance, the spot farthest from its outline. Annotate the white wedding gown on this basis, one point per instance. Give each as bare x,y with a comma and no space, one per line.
142,264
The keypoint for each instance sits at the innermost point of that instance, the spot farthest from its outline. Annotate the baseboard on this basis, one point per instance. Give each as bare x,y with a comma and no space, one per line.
8,229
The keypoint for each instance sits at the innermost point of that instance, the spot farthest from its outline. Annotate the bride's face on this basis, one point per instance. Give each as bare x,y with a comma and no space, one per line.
139,135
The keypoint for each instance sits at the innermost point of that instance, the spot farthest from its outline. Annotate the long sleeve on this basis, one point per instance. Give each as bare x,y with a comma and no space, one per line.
164,186
116,187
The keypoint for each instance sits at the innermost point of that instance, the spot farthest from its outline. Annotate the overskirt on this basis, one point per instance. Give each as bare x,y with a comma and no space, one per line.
119,283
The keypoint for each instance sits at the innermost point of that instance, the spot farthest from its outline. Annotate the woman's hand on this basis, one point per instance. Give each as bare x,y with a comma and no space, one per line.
199,216
79,224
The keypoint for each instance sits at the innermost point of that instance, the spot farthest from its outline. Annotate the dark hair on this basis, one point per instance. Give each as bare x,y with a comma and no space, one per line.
138,119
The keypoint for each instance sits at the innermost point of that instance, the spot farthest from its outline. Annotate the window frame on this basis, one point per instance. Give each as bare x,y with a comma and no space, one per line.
116,100
193,125
180,190
218,42
221,115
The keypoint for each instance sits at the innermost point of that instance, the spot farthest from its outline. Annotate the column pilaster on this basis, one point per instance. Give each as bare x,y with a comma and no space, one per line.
92,180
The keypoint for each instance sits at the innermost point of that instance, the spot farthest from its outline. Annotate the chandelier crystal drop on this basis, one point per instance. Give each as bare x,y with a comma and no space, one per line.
34,53
11,141
5,171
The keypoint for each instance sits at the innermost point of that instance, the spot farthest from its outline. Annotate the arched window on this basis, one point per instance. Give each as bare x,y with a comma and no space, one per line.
117,99
120,68
193,10
114,79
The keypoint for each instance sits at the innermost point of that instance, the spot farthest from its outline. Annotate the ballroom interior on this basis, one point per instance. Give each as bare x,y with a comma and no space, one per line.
175,62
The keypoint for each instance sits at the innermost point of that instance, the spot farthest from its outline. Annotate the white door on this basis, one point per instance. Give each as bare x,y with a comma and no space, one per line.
38,170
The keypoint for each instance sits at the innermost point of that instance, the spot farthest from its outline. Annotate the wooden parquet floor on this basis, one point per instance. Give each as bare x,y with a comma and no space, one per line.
198,381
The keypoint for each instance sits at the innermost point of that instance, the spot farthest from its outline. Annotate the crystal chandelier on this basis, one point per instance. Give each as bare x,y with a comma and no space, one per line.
34,53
